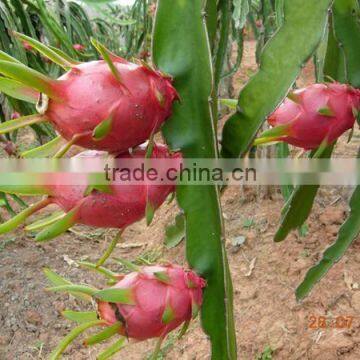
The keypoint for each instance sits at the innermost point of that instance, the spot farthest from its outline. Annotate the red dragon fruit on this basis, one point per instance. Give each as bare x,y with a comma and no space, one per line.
118,207
15,115
124,205
314,115
161,299
79,47
108,105
147,303
27,46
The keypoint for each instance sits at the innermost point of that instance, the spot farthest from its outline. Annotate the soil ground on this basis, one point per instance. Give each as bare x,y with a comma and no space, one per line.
265,274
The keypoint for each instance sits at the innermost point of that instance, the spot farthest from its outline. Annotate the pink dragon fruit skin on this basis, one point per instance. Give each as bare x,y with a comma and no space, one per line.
136,105
317,112
180,295
125,205
79,47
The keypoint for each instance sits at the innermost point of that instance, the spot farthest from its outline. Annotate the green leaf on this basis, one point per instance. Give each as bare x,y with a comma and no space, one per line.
18,91
105,53
128,265
168,316
104,335
80,316
49,220
347,234
175,233
21,217
103,129
29,77
57,280
21,122
72,336
183,52
113,349
150,212
299,206
326,111
100,269
82,289
281,62
98,1
230,103
48,149
163,277
46,51
115,295
58,228
6,57
62,54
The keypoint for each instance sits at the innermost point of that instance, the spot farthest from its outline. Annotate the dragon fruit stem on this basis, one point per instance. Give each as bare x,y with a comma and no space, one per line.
157,349
110,249
64,149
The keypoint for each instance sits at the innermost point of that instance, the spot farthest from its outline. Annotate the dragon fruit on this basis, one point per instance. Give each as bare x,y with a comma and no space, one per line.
108,105
15,115
314,115
27,46
118,207
160,298
147,303
79,47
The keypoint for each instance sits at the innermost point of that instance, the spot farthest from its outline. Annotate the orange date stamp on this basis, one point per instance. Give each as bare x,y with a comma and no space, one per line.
316,322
